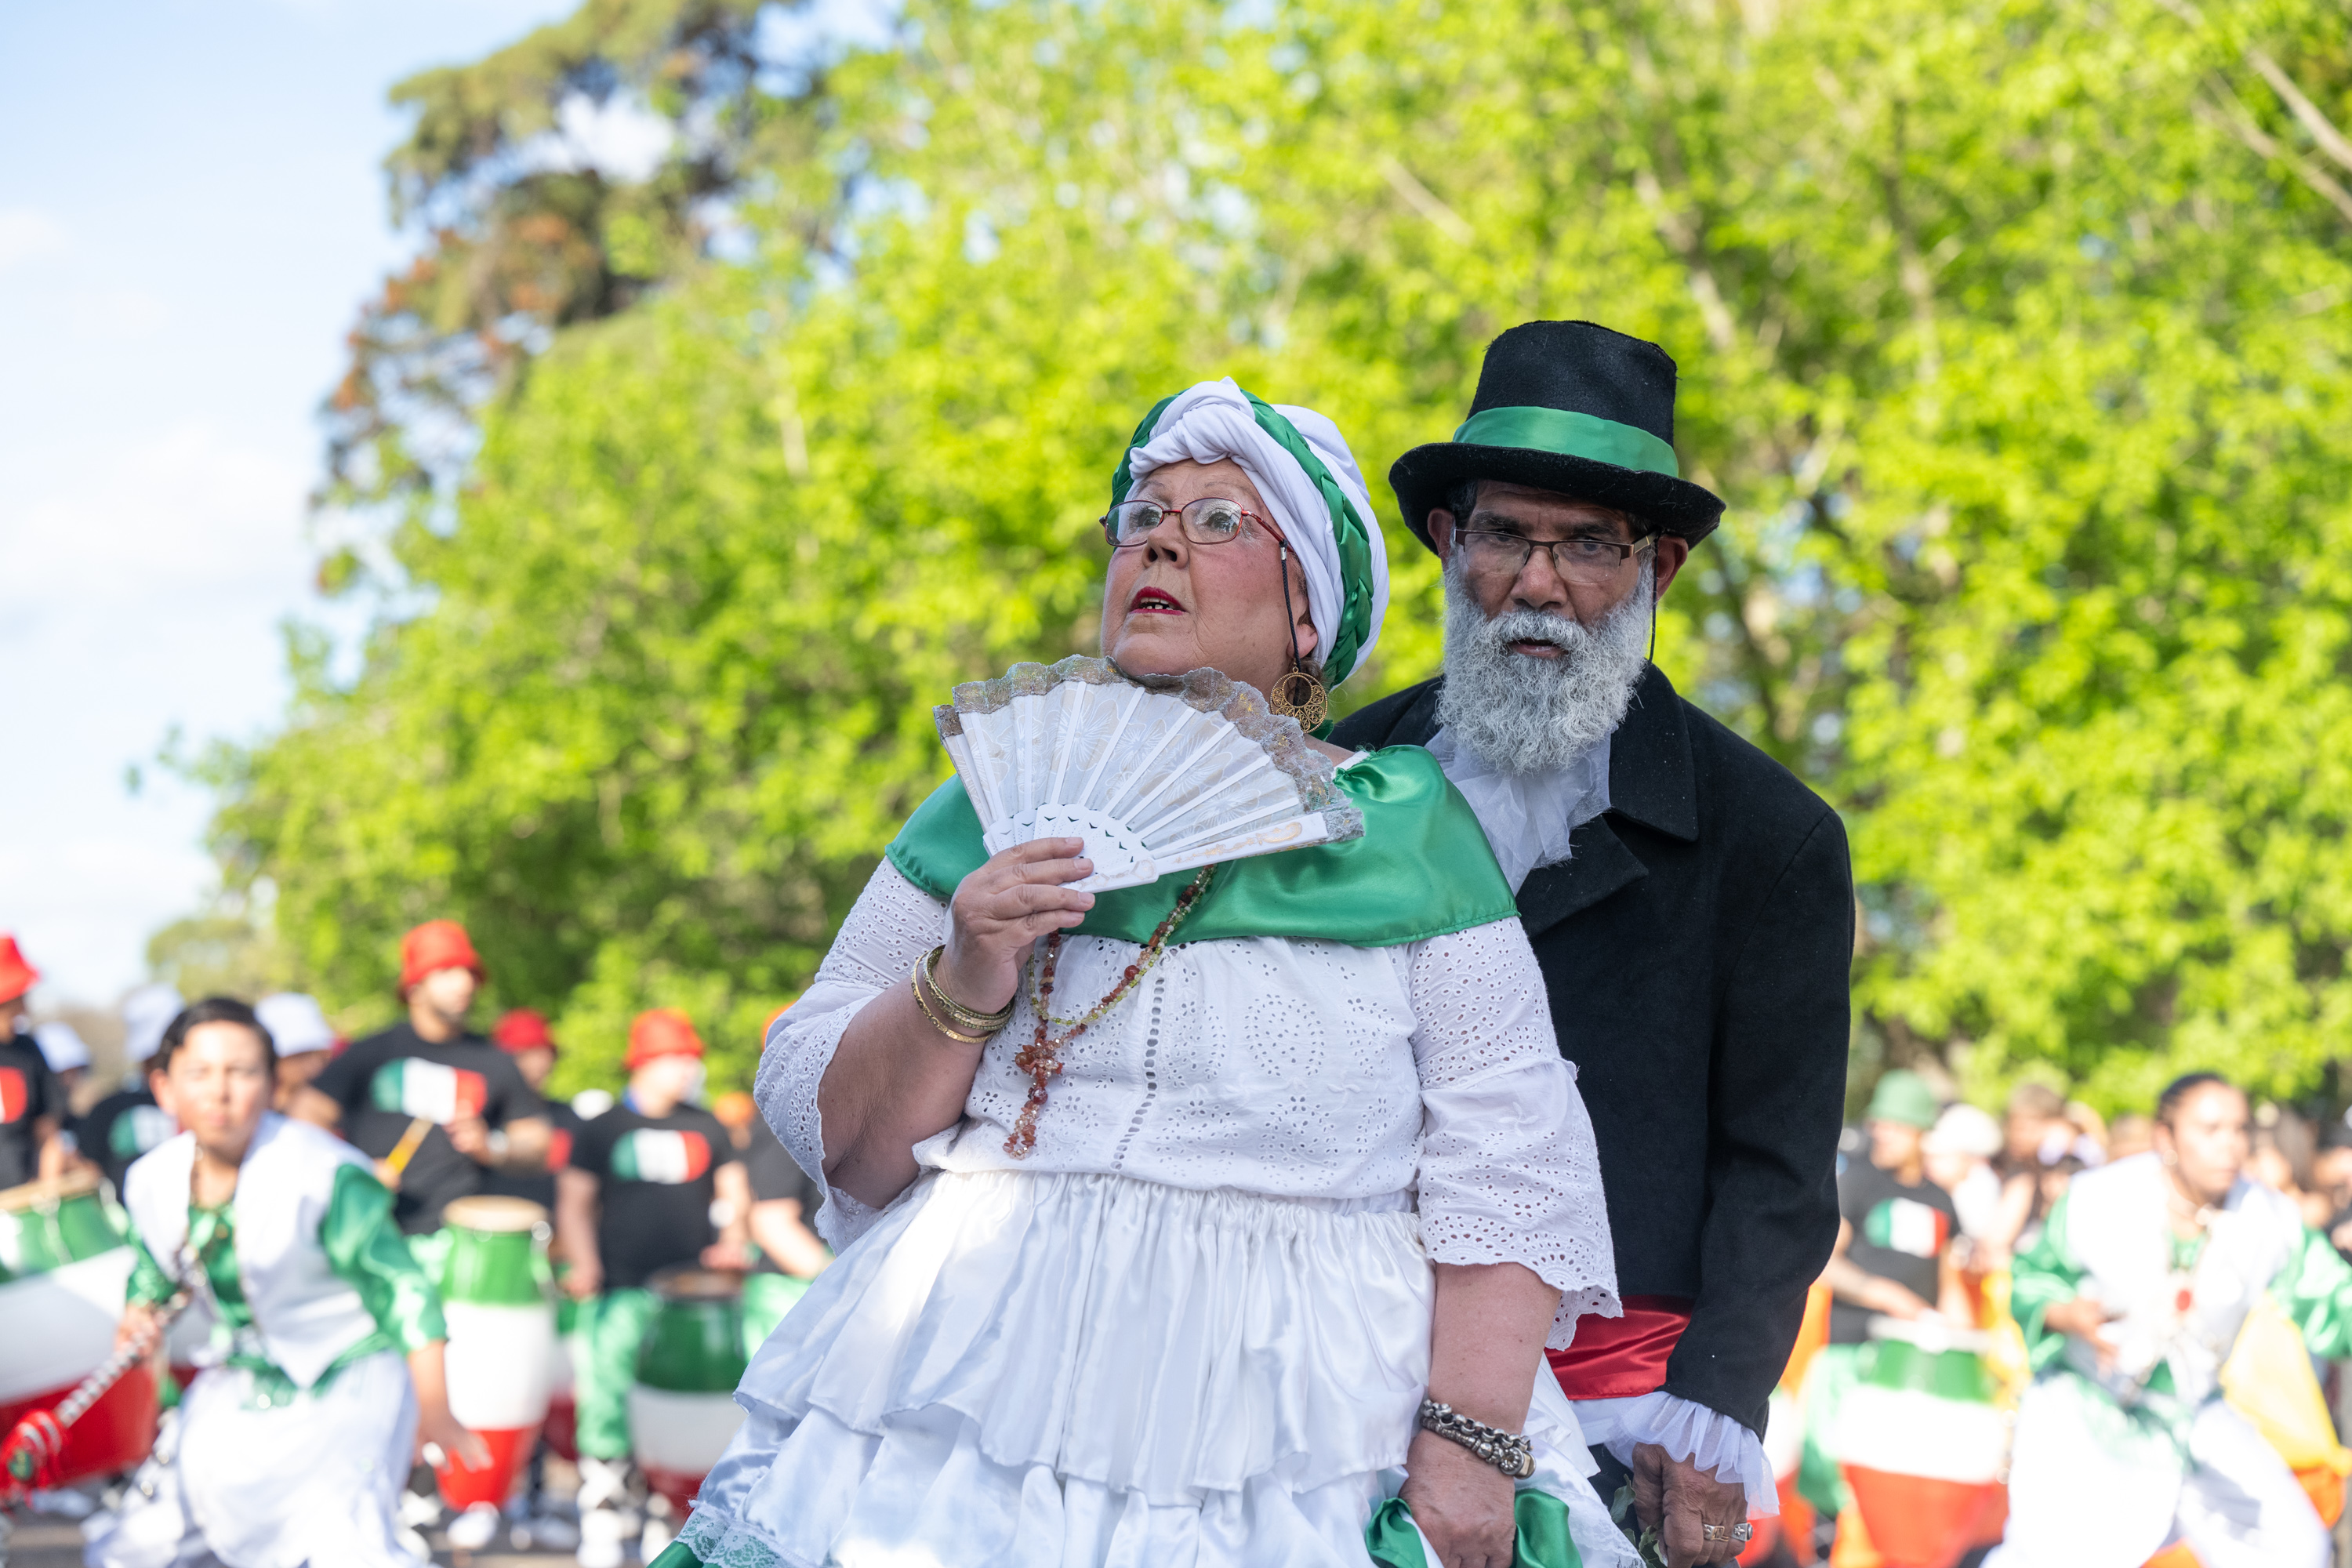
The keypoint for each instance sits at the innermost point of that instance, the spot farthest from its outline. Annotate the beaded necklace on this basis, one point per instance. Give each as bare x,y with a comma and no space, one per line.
1041,1058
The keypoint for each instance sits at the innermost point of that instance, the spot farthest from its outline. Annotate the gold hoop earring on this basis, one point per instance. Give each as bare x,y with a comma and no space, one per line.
1301,694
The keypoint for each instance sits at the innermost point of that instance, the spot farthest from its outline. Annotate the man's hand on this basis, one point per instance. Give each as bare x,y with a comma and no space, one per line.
583,1279
1461,1502
470,1136
2084,1318
1679,1501
727,1253
389,1175
1892,1300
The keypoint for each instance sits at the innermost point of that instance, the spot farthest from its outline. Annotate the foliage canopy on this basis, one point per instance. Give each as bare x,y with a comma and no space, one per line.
2018,334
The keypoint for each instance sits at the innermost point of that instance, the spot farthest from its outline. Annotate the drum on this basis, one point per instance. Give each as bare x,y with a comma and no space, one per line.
1922,1444
502,1338
67,1263
766,1298
682,1409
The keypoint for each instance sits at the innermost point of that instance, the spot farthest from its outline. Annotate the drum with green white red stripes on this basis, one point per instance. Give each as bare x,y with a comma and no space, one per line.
1922,1446
682,1409
495,1292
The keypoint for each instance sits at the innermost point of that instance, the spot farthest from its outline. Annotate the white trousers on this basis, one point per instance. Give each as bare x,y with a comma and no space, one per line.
2074,1506
313,1482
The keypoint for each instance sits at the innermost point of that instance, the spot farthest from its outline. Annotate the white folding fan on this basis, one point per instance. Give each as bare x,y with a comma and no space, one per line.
1155,779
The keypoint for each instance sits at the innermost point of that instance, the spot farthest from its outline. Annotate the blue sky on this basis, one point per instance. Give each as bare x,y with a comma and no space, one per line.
190,213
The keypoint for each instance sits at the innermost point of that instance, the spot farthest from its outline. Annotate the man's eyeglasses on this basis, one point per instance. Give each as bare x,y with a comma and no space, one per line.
1595,562
1212,519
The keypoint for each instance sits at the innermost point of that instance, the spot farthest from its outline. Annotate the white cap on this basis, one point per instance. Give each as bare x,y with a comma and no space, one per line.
1964,1129
146,1013
295,1023
61,1047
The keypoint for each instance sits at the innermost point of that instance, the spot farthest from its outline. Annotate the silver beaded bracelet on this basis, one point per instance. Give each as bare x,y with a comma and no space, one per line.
1506,1451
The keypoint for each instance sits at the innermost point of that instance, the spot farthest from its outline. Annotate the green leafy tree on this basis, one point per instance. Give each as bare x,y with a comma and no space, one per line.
2015,334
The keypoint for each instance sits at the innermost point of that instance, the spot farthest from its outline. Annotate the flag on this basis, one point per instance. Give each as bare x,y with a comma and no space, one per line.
650,1154
439,1093
1914,1229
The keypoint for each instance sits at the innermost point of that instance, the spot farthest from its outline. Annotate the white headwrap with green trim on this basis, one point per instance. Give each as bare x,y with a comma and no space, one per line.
1302,468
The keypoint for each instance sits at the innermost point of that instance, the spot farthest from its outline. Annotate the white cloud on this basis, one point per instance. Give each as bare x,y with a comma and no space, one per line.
117,315
620,137
26,233
187,509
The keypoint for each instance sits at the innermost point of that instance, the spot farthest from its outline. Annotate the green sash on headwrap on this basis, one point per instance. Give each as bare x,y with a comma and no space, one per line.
1423,869
1544,1541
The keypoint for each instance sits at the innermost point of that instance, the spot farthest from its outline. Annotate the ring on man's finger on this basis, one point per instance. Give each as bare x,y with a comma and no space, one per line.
1741,1532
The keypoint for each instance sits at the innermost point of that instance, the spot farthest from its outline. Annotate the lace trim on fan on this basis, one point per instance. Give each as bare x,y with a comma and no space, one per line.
707,1535
1204,690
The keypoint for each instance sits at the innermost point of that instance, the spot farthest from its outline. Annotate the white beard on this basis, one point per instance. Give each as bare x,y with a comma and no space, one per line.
1523,715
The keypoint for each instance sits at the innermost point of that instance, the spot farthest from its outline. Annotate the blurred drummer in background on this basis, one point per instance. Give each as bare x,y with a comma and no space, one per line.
32,1102
1893,1258
638,1197
523,1033
436,1106
66,1053
783,1202
293,1442
130,1121
305,1041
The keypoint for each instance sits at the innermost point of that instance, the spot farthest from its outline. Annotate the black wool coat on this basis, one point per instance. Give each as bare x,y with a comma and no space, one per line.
1698,946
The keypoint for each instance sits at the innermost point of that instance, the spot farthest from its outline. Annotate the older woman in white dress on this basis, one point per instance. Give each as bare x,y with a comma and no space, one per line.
1220,1221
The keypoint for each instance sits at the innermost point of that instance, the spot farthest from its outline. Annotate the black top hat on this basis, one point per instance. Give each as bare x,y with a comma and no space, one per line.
1572,407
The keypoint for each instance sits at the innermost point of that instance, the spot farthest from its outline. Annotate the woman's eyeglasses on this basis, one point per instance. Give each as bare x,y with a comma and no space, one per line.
1212,519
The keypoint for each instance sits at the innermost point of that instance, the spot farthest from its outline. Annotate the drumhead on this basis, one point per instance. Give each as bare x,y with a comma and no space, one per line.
34,1196
696,1285
493,1213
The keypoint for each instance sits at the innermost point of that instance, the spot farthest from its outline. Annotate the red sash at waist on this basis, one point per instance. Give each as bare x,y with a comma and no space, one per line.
1616,1358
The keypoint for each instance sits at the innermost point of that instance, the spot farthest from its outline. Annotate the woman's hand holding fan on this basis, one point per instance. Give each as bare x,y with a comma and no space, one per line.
1015,896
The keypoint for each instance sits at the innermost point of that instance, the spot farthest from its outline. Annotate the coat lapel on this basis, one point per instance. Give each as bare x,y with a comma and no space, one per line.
1598,864
1650,782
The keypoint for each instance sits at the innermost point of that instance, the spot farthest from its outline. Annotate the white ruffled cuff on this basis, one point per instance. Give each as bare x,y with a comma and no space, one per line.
1687,1431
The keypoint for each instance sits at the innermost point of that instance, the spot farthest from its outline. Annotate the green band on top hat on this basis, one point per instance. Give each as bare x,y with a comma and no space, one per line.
1570,435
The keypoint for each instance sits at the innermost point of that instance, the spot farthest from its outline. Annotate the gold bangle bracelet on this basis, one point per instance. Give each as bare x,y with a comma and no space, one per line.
914,984
986,1023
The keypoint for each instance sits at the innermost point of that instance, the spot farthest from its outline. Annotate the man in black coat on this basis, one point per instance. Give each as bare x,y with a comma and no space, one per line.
1690,901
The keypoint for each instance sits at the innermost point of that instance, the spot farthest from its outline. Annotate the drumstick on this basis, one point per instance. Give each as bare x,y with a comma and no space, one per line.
406,1150
39,1437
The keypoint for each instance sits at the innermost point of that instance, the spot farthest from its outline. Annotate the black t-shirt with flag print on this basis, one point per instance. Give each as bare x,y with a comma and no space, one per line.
28,1091
121,1128
656,1178
387,1081
1899,1233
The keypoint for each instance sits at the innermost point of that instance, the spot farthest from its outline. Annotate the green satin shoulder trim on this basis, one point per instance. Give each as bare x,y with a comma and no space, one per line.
1423,869
1543,1541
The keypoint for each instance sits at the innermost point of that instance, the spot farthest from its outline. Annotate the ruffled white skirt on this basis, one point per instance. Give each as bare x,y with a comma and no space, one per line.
1076,1371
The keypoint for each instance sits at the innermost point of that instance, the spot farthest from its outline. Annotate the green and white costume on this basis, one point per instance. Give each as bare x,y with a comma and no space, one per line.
2111,1465
293,1445
1191,1325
